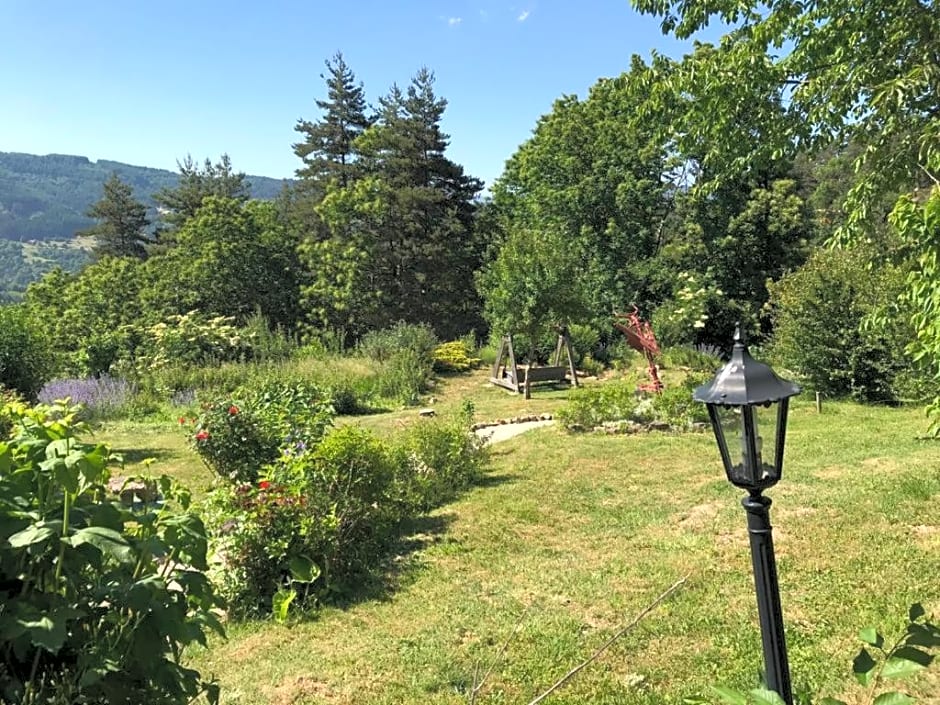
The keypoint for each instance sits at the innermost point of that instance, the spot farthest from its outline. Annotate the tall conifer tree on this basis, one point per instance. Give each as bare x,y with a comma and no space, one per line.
122,222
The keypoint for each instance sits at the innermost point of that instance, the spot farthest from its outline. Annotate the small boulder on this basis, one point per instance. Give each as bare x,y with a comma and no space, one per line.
427,413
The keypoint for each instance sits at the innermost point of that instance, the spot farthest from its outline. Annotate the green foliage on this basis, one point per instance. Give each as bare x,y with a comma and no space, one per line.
405,353
454,356
23,263
679,319
237,438
619,400
25,359
819,315
182,201
230,259
192,338
702,359
101,599
918,226
330,503
436,459
533,284
326,509
121,230
587,407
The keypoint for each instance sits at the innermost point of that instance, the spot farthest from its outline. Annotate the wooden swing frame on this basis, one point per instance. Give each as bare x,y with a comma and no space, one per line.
519,379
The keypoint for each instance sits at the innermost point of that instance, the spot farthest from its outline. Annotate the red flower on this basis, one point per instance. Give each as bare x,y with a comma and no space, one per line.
232,410
202,435
182,420
264,484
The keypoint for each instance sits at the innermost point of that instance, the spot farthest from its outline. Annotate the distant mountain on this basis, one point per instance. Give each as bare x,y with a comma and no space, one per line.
45,197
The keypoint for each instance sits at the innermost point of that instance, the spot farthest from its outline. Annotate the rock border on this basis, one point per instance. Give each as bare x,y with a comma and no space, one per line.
511,420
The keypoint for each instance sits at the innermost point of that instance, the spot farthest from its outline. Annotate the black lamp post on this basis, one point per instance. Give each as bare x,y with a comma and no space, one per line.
747,404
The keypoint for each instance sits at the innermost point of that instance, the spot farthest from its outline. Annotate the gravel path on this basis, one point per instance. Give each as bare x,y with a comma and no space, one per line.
503,432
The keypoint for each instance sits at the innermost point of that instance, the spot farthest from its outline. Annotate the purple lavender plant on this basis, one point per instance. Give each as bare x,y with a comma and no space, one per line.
100,395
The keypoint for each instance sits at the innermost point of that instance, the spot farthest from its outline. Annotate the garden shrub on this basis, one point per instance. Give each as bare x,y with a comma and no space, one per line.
819,313
437,458
331,504
192,338
101,600
674,404
403,377
588,407
701,358
383,345
619,400
25,357
237,435
454,356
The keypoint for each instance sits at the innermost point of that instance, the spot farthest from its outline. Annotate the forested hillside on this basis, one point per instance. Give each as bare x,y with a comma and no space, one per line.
46,197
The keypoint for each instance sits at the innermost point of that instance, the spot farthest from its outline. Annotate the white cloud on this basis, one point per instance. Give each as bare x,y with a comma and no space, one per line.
454,21
523,16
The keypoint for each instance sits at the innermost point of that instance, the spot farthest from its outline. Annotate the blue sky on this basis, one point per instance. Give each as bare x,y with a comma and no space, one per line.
148,82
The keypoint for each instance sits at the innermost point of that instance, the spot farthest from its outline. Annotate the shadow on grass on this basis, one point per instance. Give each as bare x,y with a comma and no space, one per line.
399,565
133,456
401,561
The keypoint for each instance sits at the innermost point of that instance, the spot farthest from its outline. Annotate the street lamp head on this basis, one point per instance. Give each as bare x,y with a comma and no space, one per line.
747,404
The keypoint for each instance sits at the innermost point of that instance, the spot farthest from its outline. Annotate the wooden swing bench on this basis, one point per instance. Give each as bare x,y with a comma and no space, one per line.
519,378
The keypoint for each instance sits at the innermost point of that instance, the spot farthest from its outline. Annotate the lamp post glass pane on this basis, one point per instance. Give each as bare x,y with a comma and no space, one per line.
749,465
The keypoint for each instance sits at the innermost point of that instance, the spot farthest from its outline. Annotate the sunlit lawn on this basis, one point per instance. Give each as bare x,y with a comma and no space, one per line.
572,535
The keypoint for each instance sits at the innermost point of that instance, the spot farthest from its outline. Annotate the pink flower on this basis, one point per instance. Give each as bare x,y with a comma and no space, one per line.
202,435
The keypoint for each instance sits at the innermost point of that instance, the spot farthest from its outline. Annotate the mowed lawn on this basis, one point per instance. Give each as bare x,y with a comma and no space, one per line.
570,536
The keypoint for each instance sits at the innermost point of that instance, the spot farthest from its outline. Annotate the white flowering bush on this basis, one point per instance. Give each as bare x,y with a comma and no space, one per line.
679,320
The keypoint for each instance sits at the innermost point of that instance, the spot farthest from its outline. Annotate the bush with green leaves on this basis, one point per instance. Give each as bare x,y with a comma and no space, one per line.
237,436
321,516
383,345
454,356
192,338
437,459
619,400
405,356
587,407
25,357
819,314
330,504
101,600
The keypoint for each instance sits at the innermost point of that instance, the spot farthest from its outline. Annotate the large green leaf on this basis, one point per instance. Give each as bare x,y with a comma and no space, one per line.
280,605
871,636
906,662
729,695
31,535
763,696
47,632
106,540
863,666
303,569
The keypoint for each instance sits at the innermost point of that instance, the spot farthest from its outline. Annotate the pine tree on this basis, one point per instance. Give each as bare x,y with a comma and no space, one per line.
195,184
413,213
122,222
327,149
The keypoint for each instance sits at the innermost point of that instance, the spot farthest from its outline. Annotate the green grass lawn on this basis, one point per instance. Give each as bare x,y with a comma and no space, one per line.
571,535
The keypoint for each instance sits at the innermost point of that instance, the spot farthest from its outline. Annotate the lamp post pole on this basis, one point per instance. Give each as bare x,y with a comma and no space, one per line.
776,665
